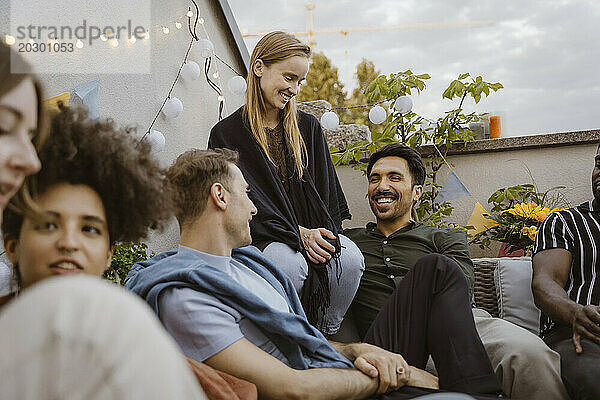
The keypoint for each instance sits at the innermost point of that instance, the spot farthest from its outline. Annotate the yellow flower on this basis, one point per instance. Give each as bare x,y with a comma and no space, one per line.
529,231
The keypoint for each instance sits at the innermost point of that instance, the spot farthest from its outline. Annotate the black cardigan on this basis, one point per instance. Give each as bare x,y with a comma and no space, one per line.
316,201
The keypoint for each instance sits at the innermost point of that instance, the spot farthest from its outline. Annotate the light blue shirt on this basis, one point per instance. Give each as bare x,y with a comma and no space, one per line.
203,326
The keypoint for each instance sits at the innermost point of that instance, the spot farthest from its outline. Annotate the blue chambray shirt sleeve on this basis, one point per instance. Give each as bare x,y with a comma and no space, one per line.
199,323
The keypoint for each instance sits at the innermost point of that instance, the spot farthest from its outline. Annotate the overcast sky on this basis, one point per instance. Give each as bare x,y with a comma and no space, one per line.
545,53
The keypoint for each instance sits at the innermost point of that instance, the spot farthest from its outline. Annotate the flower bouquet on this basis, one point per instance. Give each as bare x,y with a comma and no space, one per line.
517,213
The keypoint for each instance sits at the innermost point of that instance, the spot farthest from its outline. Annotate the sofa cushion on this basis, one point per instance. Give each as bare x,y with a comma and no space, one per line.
512,278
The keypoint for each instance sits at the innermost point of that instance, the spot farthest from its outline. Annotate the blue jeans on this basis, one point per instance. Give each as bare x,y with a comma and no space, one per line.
352,263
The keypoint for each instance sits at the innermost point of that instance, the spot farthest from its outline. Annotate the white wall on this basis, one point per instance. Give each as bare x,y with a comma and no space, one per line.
135,99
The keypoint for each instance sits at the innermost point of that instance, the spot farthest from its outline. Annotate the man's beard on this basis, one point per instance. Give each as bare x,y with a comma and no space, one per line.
399,210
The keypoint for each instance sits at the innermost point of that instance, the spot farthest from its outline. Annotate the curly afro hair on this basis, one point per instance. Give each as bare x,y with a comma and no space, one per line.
111,161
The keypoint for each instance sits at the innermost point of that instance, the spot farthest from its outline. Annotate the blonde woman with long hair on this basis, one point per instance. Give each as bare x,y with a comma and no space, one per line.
285,159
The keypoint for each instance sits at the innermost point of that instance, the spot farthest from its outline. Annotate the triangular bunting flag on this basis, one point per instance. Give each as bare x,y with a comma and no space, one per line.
452,189
88,93
478,220
52,102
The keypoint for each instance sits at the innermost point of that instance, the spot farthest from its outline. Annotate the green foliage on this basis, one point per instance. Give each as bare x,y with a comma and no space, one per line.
416,131
322,83
365,74
124,256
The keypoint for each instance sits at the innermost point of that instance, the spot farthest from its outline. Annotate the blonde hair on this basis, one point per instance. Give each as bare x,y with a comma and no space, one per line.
272,48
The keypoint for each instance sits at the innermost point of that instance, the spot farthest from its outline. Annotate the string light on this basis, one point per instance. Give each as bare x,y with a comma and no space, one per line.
201,20
216,75
165,30
103,37
178,25
132,40
190,14
79,44
114,43
31,41
10,40
146,35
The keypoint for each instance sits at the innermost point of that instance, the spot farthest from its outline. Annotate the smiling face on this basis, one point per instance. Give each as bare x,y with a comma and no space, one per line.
18,125
596,177
281,81
70,237
391,193
240,209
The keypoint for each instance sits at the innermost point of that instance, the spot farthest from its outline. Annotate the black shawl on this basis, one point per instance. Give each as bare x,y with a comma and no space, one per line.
316,201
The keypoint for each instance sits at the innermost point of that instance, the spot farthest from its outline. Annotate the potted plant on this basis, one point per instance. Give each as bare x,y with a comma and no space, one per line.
517,213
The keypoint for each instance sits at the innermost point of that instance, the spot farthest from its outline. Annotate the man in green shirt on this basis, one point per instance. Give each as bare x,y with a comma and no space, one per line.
526,367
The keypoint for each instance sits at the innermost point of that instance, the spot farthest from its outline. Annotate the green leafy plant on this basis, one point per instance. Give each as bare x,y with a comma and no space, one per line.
124,256
517,213
417,131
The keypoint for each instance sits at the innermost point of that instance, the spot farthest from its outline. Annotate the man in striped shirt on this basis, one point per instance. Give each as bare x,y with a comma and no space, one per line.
566,287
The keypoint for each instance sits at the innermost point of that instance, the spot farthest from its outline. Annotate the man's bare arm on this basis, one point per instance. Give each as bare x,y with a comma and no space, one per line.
550,273
385,366
275,380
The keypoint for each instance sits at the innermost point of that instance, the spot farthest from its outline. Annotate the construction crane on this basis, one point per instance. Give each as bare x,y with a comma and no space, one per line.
311,32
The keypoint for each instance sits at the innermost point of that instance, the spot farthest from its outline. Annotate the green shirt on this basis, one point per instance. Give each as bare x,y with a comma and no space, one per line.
388,259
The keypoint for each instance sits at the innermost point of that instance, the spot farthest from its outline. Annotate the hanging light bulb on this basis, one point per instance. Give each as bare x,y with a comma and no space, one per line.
205,48
79,44
216,75
173,108
132,40
330,120
146,35
165,30
237,85
10,40
377,115
190,71
403,105
103,37
190,14
201,20
178,25
114,43
156,140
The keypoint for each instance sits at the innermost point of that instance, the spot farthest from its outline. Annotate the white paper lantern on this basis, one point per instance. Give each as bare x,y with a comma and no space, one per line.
377,114
403,105
428,125
330,120
190,71
156,140
173,108
205,48
237,85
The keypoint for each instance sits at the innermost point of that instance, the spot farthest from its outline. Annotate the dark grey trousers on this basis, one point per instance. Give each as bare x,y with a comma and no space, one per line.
429,313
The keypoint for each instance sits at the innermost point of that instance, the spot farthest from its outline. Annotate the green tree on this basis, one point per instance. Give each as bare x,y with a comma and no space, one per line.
365,74
322,83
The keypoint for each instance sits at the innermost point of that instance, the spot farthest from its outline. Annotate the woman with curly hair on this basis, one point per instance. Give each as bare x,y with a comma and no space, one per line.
101,187
285,159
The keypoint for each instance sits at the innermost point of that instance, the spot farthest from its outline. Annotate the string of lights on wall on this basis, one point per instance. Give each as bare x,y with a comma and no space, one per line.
189,70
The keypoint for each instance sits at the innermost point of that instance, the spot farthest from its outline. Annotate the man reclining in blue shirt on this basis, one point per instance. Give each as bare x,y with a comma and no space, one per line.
228,306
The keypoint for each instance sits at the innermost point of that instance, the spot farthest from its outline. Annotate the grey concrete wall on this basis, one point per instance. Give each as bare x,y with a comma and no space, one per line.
134,99
485,172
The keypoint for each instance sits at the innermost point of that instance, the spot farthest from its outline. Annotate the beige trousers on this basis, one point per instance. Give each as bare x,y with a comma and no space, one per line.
526,367
82,338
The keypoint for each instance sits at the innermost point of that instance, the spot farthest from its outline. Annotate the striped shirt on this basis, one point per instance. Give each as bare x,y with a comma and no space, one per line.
578,231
